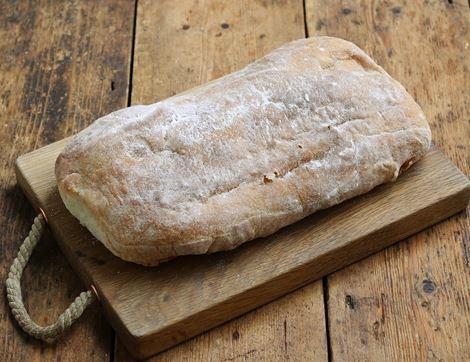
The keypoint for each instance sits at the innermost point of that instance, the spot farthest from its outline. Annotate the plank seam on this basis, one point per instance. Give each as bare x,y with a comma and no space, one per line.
112,345
131,62
326,297
305,18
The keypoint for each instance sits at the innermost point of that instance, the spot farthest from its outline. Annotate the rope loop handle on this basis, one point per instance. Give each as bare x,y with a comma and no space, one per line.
15,299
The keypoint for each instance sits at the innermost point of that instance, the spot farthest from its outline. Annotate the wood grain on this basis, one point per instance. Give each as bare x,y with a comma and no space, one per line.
155,308
409,302
57,63
292,327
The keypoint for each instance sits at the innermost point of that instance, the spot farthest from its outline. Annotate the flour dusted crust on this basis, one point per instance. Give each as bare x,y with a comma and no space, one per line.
308,126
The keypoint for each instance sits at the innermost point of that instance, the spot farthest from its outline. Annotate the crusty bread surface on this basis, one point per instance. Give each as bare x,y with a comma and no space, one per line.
308,126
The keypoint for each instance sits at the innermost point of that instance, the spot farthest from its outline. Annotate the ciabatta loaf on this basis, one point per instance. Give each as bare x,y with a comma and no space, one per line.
309,125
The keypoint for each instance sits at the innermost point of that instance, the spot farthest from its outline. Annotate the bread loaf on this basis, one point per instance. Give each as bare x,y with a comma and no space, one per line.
308,126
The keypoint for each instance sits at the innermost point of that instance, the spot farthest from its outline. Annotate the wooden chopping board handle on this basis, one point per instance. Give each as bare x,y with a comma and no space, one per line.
15,300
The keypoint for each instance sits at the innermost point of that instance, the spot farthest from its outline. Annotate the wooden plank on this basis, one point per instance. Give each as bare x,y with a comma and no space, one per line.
410,302
57,63
180,47
155,308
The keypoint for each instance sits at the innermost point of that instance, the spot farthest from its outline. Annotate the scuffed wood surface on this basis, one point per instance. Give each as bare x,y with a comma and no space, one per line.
181,47
411,301
57,63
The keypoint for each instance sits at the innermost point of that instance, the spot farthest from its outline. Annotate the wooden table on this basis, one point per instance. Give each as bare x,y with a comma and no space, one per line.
62,65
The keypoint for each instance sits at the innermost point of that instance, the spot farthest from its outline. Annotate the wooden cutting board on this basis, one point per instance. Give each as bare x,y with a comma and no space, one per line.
153,309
